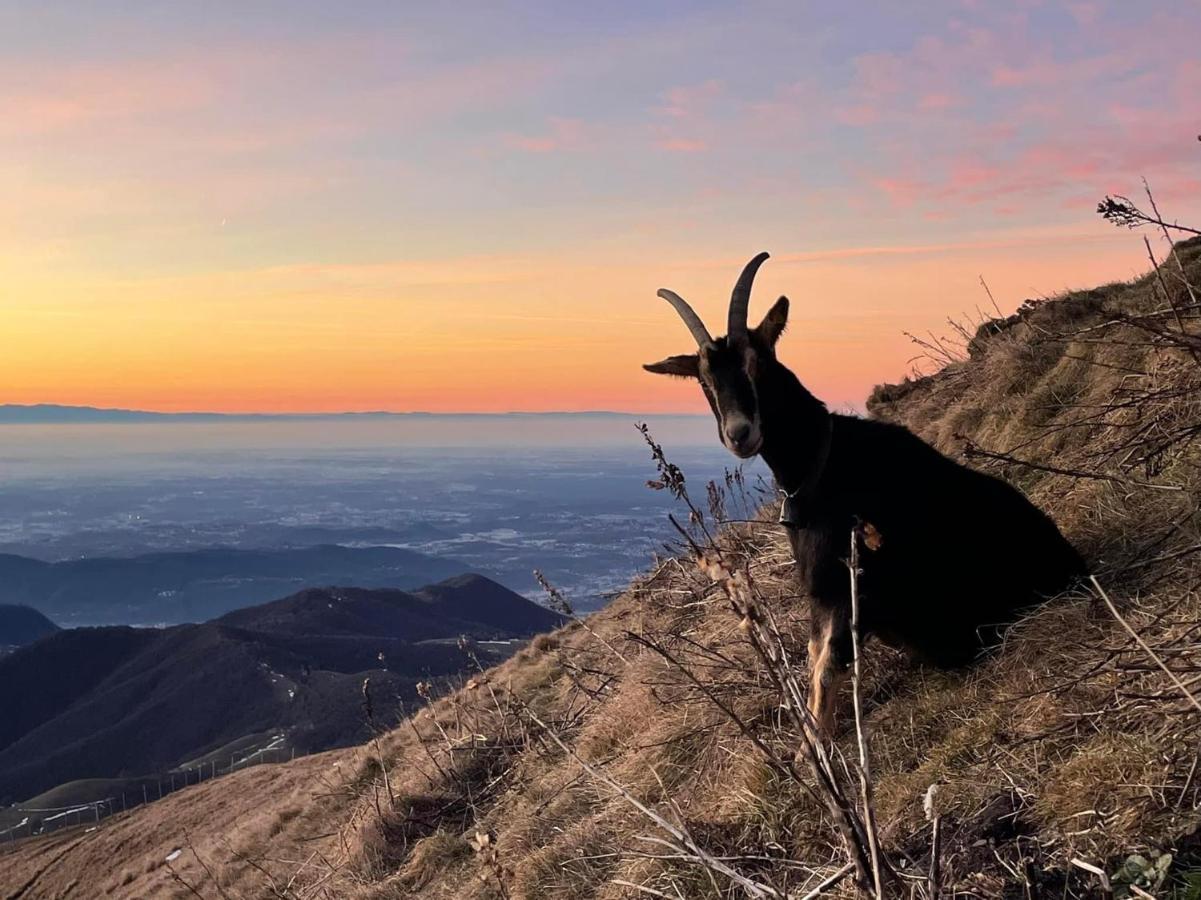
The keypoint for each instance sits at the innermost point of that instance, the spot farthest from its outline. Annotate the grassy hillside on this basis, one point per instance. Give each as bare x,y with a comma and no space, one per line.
1071,744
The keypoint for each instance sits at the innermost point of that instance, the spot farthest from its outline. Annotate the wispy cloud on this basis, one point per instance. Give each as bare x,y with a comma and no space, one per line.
681,145
560,134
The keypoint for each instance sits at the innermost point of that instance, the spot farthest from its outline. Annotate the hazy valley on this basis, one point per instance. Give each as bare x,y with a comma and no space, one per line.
499,495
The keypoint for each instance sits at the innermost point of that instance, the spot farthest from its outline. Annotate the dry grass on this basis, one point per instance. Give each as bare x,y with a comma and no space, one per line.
1071,743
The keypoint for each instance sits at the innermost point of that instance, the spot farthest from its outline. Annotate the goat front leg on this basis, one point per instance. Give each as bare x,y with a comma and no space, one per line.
830,651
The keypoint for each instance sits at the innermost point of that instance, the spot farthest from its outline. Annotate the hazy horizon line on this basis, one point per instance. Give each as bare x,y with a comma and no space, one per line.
46,413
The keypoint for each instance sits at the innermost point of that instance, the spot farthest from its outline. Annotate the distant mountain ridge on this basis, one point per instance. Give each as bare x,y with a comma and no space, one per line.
54,413
466,604
20,625
197,585
119,702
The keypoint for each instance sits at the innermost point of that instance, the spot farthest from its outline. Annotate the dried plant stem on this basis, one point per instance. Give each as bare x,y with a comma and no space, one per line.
829,882
369,712
642,889
1122,212
410,720
179,879
992,299
1163,285
972,451
768,643
560,605
212,876
1106,887
934,879
934,875
1192,294
683,841
784,767
1146,647
865,770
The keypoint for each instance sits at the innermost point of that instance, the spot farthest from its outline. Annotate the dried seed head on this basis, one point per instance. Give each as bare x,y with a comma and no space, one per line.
713,567
929,806
554,597
670,476
480,841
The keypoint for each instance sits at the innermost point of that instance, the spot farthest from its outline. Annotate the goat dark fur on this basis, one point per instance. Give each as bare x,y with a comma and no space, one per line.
961,554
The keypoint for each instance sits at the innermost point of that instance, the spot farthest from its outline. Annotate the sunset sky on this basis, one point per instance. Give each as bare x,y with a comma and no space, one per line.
317,206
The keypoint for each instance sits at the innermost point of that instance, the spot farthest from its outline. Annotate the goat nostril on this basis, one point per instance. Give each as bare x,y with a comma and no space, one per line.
739,433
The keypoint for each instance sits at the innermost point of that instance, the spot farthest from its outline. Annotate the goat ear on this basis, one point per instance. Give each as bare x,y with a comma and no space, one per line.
773,323
684,366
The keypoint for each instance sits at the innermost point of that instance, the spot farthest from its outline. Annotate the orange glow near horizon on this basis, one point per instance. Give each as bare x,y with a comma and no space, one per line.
487,336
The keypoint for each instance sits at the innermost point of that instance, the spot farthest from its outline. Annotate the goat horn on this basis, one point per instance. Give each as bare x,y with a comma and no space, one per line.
699,332
740,300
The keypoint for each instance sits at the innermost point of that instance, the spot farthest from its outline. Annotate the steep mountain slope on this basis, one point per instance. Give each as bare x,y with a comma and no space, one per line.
20,625
109,702
1069,744
40,680
196,585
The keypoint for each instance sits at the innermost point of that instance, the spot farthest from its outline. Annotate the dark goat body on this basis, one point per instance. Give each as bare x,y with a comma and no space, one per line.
960,553
955,555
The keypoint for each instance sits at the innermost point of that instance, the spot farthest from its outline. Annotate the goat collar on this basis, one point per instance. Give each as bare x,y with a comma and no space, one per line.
792,503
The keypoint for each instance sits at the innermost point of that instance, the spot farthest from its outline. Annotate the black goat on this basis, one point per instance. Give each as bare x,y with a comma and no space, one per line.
954,556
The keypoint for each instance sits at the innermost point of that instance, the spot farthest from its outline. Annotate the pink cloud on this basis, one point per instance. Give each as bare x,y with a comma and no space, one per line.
793,112
860,114
992,116
970,173
561,135
84,95
900,191
227,99
690,100
1008,76
1048,71
681,145
879,75
1085,158
685,117
1186,81
938,100
926,78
